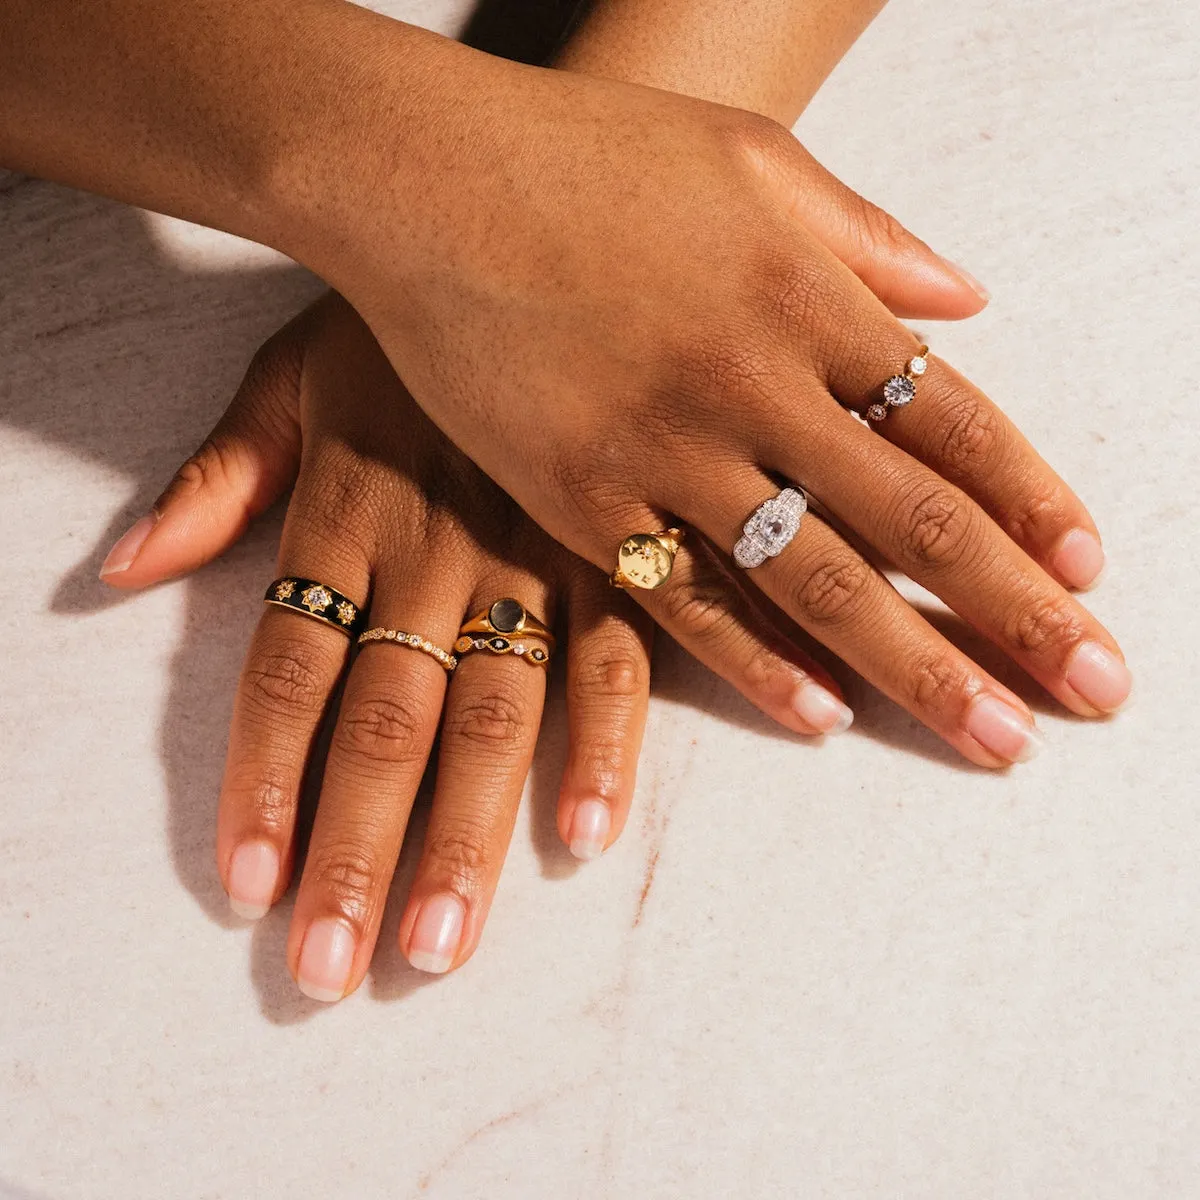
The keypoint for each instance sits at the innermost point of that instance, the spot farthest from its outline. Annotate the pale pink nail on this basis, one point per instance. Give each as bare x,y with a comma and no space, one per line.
253,877
1079,559
1099,676
968,279
436,933
325,960
590,823
1002,729
820,708
120,557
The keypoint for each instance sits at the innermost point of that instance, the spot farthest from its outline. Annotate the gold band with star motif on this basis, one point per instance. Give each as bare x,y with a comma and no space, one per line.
645,560
318,600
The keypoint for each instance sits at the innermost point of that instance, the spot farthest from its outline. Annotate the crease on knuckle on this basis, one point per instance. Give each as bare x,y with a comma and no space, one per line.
834,591
1041,626
268,792
285,682
935,684
939,529
1030,524
971,433
461,849
382,731
609,675
493,720
699,608
346,872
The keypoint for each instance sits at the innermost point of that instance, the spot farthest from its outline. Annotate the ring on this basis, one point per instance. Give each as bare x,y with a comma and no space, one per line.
415,640
506,617
532,653
771,526
645,560
901,389
317,600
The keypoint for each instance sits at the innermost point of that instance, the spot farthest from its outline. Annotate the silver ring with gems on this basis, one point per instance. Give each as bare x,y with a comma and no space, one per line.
771,527
901,390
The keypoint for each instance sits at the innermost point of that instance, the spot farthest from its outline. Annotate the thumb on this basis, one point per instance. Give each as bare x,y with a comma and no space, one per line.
247,461
909,277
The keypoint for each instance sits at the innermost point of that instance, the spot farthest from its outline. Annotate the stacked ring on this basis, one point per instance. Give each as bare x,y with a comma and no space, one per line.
415,640
530,652
318,600
901,390
493,630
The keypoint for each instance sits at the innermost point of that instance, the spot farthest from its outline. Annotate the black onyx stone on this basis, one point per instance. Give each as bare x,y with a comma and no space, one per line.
506,616
499,643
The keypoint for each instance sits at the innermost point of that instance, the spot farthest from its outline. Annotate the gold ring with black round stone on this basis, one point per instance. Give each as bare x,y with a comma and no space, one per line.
531,652
314,599
506,617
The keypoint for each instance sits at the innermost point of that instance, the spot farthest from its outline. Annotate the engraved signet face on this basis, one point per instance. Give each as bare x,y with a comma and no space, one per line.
506,616
645,561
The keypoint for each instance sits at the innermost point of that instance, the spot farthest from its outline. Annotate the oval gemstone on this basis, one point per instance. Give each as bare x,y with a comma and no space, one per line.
506,615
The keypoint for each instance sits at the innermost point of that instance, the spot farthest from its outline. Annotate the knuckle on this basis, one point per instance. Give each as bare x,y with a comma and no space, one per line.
805,295
936,683
610,676
267,792
877,227
341,500
833,591
345,871
940,528
287,680
1042,626
971,434
384,731
698,608
460,848
1035,521
760,144
493,720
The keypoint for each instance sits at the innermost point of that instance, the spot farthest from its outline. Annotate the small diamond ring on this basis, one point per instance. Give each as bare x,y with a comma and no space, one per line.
901,389
771,527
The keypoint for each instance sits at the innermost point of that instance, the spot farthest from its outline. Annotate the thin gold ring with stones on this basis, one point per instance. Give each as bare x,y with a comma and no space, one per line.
901,390
531,652
403,638
317,600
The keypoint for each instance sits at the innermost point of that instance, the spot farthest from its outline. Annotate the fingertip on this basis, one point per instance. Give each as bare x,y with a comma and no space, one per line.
588,828
121,558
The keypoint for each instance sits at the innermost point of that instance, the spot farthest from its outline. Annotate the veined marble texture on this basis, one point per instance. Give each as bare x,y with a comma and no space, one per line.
857,969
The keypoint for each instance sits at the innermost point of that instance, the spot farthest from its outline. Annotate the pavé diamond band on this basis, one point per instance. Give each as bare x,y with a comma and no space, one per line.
415,640
771,527
901,390
319,600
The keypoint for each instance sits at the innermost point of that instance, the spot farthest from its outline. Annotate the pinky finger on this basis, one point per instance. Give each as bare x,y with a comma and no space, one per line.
608,691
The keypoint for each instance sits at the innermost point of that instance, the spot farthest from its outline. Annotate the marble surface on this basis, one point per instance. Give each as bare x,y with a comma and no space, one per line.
857,969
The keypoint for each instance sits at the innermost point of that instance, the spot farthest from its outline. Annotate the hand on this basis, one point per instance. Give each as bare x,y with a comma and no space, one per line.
629,330
385,507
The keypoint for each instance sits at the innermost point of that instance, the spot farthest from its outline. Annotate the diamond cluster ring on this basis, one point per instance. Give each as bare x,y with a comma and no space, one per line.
772,526
901,390
318,600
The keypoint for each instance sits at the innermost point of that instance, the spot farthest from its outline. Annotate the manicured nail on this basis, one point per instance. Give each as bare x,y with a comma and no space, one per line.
1099,676
325,960
253,877
436,933
820,708
590,823
1002,729
120,557
968,278
1079,559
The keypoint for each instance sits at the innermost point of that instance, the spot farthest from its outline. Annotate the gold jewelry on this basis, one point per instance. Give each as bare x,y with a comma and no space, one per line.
901,390
531,652
313,599
415,640
506,617
645,560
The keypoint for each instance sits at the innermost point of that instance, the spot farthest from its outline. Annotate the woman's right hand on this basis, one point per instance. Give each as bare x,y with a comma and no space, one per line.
636,310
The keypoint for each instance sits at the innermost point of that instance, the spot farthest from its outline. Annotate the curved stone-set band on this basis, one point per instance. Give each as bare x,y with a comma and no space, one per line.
403,638
531,652
901,390
319,600
771,527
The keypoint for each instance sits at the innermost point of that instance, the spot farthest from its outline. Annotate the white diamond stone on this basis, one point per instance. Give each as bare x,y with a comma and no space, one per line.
899,391
519,647
770,528
917,366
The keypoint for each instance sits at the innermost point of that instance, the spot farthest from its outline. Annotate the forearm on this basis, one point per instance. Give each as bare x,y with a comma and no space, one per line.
769,56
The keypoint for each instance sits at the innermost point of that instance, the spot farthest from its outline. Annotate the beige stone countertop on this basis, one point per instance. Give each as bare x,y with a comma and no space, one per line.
853,969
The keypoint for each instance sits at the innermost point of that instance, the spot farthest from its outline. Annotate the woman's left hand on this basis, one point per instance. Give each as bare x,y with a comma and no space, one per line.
386,511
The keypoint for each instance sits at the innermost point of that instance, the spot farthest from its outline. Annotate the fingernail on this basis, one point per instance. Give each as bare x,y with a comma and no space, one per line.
1005,731
120,557
968,278
436,933
1099,676
325,960
253,877
820,708
590,823
1079,559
